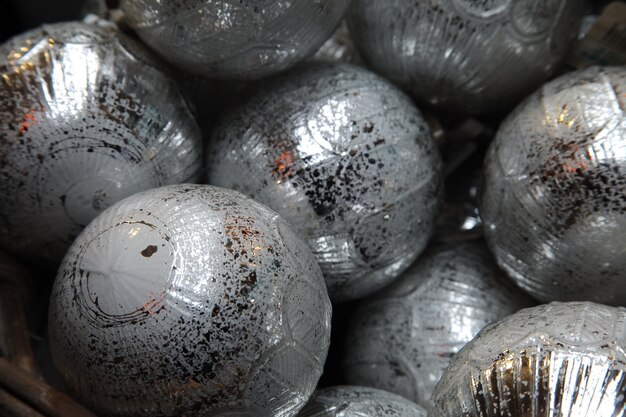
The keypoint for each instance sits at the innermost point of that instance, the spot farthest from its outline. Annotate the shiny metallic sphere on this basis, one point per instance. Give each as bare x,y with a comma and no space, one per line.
560,359
349,401
232,38
346,159
554,198
87,118
467,56
190,300
403,338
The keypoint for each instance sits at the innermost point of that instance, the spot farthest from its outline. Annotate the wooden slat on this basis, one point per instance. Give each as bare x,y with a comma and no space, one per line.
38,394
13,407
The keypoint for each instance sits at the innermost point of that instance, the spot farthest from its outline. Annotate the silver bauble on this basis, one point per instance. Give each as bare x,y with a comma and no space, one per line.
560,359
190,300
349,401
554,198
465,55
86,119
232,38
347,160
338,48
403,338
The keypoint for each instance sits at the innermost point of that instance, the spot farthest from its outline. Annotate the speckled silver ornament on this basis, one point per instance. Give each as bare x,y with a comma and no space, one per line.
554,198
403,338
352,401
190,300
232,38
465,55
346,159
561,359
86,119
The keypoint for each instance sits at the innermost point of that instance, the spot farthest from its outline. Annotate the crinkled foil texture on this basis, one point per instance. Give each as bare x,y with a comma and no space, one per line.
232,38
347,160
403,338
190,300
554,198
560,359
466,55
86,119
352,401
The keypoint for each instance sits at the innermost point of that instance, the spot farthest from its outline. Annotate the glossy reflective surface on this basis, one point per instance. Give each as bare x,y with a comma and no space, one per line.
466,55
554,200
232,38
86,119
561,359
352,401
346,159
190,300
403,338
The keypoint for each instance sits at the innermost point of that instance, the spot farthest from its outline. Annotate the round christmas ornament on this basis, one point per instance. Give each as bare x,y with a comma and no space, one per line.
190,300
231,38
349,401
403,338
465,55
86,119
554,198
560,359
338,48
347,160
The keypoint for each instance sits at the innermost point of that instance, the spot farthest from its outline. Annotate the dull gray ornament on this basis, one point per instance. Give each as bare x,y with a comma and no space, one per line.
560,359
465,55
554,197
345,158
353,401
403,338
234,39
190,300
87,117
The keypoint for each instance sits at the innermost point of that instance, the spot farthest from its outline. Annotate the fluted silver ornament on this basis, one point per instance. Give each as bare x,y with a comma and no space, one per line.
465,55
190,300
560,359
554,198
345,158
86,119
231,38
403,338
353,401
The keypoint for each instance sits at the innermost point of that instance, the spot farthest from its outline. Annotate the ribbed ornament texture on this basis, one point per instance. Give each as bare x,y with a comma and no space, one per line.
560,359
